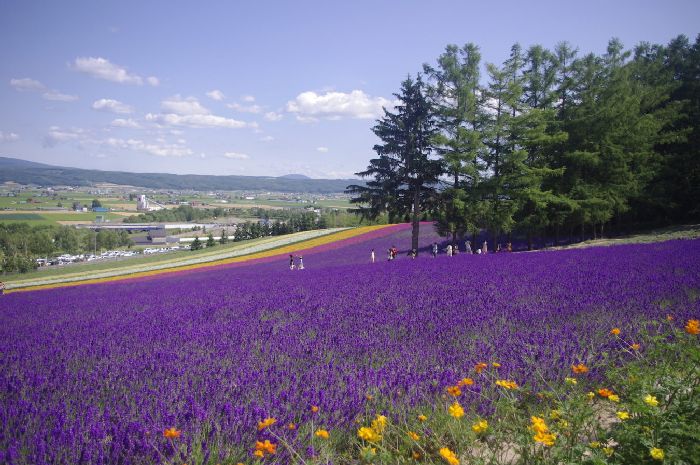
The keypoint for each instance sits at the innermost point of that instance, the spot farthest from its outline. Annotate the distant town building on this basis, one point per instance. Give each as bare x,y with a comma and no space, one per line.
144,204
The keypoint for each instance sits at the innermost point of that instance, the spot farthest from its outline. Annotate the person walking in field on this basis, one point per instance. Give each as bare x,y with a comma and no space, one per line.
448,249
301,262
389,255
371,255
2,288
485,248
291,262
435,249
468,247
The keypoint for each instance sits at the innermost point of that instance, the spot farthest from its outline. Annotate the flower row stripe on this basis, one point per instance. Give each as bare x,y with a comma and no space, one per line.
334,239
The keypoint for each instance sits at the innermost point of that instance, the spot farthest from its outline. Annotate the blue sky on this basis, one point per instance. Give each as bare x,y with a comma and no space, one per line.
257,88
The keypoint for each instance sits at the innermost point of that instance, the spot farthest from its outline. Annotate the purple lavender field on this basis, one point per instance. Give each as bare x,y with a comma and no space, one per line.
94,374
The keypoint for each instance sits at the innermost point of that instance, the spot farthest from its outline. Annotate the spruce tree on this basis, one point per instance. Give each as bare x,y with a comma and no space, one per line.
404,176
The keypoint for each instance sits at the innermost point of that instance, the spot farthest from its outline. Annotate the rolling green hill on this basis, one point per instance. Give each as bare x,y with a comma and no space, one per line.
27,172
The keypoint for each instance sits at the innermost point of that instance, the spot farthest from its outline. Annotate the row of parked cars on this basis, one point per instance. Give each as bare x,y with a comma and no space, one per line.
68,258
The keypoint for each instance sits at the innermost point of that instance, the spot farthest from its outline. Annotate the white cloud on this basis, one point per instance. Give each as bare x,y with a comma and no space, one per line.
267,139
198,121
125,123
180,106
56,135
27,85
248,98
322,149
101,68
153,81
160,149
216,94
8,136
112,106
236,156
245,108
273,116
309,106
56,96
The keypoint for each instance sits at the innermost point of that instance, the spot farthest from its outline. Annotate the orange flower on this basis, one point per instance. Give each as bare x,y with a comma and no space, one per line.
605,392
172,433
369,396
579,369
262,448
480,367
693,327
422,417
314,408
466,382
413,435
635,346
615,331
322,433
265,423
669,317
454,391
291,426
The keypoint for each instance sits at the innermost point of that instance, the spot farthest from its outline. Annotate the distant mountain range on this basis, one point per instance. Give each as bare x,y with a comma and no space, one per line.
29,172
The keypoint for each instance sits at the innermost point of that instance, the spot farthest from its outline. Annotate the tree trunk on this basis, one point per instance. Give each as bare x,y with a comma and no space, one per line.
595,232
583,231
416,219
529,240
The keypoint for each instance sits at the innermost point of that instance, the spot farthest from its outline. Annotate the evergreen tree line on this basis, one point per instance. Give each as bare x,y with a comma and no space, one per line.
21,244
554,144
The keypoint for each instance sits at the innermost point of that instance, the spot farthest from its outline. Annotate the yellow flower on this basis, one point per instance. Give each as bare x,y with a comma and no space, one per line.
692,327
261,448
614,398
496,365
379,423
449,456
651,400
465,382
480,426
369,397
572,381
265,423
635,346
454,391
368,434
507,384
456,410
609,451
322,433
480,367
545,438
615,331
291,426
172,433
590,395
314,408
623,415
594,444
422,418
538,425
579,369
656,453
554,414
413,436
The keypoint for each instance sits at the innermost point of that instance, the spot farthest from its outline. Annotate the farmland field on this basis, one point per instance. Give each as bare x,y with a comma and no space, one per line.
95,373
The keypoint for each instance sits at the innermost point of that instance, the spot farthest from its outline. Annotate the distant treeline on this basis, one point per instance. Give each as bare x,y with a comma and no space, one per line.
555,143
24,172
21,244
